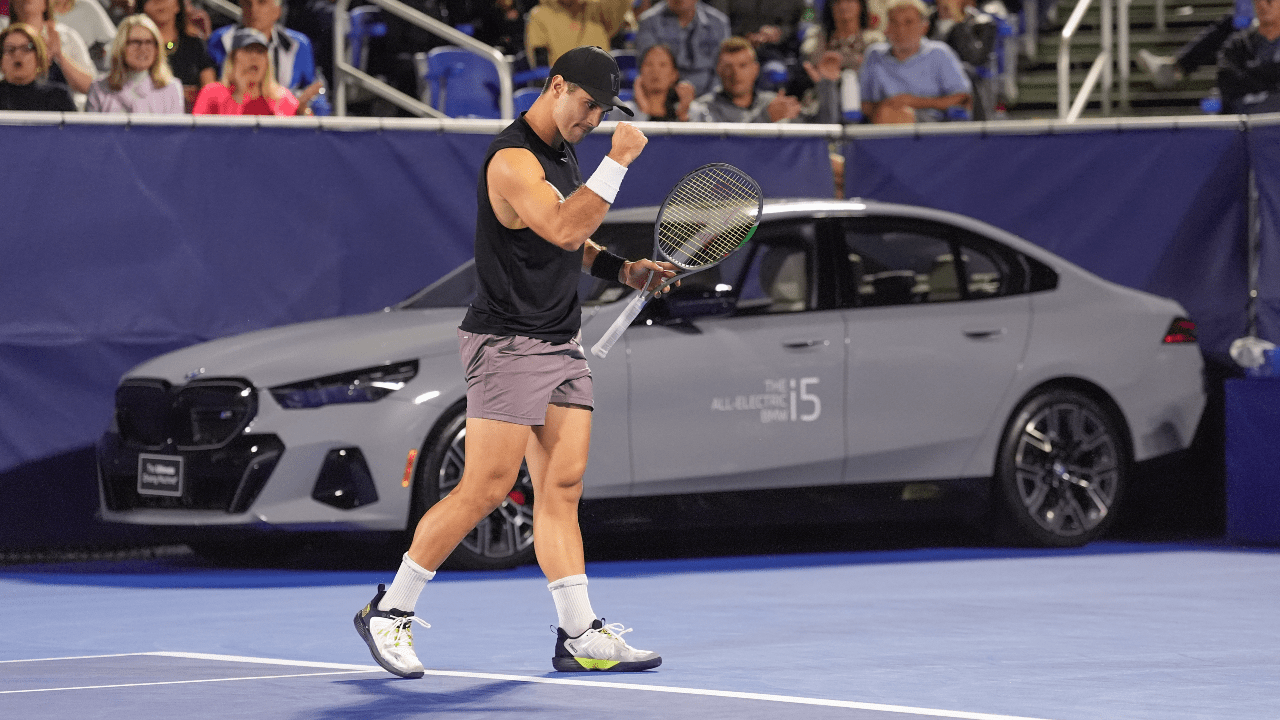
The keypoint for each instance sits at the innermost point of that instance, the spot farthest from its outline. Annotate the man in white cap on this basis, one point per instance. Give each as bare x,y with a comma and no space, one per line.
528,385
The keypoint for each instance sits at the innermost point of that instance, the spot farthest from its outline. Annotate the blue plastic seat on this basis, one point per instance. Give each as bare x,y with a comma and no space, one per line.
524,97
365,24
628,64
461,83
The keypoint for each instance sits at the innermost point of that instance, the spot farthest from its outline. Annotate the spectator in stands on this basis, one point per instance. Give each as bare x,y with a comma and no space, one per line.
739,100
67,53
290,50
248,85
556,26
845,29
911,78
89,19
25,63
660,94
188,58
1249,64
770,25
139,80
971,33
693,30
1167,71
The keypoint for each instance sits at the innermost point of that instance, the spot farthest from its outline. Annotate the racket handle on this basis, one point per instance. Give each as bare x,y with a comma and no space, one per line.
620,325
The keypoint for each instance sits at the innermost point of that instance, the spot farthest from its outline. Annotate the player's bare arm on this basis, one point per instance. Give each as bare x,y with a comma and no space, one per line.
522,197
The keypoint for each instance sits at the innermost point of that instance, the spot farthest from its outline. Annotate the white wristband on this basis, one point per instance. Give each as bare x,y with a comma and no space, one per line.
607,178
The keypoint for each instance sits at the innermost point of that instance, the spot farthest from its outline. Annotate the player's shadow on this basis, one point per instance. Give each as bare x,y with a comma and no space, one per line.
389,698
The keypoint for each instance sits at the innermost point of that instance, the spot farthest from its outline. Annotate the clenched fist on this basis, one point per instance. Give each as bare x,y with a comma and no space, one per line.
628,141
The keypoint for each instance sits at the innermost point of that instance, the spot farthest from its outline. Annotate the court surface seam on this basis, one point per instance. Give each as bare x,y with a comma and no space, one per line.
348,669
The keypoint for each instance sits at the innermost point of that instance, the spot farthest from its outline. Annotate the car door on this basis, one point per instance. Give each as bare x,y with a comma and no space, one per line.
937,324
749,399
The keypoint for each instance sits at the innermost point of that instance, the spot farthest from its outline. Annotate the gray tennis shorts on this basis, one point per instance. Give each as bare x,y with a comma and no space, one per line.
513,378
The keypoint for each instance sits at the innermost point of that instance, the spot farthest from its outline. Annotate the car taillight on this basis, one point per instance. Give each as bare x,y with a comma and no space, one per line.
1181,330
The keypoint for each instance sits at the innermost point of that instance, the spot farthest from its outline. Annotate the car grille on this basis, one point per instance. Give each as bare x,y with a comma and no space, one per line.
205,414
228,478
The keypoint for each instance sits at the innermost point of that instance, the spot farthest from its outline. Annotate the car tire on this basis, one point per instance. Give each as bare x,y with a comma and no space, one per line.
503,539
1062,471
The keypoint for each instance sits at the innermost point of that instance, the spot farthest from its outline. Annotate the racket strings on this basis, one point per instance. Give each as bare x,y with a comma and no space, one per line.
707,217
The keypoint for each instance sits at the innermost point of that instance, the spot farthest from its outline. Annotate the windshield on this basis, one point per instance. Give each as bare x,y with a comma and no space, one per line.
458,288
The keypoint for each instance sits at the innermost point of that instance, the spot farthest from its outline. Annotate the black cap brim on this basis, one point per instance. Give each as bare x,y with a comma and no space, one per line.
605,98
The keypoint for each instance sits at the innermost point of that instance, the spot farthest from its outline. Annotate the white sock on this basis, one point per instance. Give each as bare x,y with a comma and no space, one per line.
405,589
572,604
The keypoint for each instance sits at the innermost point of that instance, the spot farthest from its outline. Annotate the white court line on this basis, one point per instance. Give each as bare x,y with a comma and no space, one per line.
345,668
187,682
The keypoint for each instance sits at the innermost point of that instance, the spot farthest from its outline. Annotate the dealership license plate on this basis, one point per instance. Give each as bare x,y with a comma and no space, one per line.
160,475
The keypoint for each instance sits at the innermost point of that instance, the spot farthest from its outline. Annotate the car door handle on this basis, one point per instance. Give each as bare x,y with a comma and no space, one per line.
798,344
984,333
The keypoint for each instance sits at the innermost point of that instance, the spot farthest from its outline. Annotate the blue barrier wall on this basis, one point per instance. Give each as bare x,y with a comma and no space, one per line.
126,242
1264,149
133,241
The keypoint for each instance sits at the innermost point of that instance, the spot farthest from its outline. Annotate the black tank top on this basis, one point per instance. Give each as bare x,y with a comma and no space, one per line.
528,286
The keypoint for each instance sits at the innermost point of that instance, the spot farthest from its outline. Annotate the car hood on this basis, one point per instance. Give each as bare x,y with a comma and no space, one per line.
313,349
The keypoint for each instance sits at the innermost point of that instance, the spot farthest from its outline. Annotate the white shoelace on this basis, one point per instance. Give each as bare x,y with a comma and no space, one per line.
403,626
614,630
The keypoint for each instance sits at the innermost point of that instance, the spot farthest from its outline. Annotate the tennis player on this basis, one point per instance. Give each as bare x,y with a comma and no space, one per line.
528,385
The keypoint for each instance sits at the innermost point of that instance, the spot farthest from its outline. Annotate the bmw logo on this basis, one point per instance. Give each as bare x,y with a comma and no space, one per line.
195,374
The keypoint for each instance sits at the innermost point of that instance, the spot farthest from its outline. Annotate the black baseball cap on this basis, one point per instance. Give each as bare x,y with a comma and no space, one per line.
595,71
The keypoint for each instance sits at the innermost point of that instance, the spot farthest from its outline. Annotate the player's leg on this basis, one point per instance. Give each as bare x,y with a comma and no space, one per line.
557,457
495,450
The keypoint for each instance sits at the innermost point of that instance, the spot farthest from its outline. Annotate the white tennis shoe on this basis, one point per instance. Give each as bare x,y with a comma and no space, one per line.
389,635
601,648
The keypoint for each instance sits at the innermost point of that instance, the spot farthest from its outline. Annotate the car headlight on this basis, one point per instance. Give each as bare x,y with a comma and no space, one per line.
367,385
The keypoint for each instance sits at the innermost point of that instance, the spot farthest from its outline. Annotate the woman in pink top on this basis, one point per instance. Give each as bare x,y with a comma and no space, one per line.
140,80
248,84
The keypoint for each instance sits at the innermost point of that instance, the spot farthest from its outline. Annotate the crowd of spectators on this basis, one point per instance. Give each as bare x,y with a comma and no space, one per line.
751,61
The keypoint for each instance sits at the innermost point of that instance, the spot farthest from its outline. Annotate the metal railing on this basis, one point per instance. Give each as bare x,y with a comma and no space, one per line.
1100,69
345,73
225,8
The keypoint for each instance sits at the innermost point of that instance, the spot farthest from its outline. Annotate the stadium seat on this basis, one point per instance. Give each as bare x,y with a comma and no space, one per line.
460,83
627,63
524,97
365,24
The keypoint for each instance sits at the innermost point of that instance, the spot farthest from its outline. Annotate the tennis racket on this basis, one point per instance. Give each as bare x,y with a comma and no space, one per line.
709,214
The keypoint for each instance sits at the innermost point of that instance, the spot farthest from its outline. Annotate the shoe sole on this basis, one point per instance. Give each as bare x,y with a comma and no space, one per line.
373,650
573,664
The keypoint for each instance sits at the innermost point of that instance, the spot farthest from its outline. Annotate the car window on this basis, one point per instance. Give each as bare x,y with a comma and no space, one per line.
984,275
774,275
901,267
901,261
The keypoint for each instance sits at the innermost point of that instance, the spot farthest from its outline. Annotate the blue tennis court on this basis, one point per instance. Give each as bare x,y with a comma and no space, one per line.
1117,630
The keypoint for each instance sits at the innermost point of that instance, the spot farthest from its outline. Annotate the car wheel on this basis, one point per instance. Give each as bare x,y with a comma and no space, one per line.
1061,472
503,539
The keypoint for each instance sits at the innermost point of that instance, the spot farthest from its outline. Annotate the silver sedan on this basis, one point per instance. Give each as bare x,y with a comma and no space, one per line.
852,345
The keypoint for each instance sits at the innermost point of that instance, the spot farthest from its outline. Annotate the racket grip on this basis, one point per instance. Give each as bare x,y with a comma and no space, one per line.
619,326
